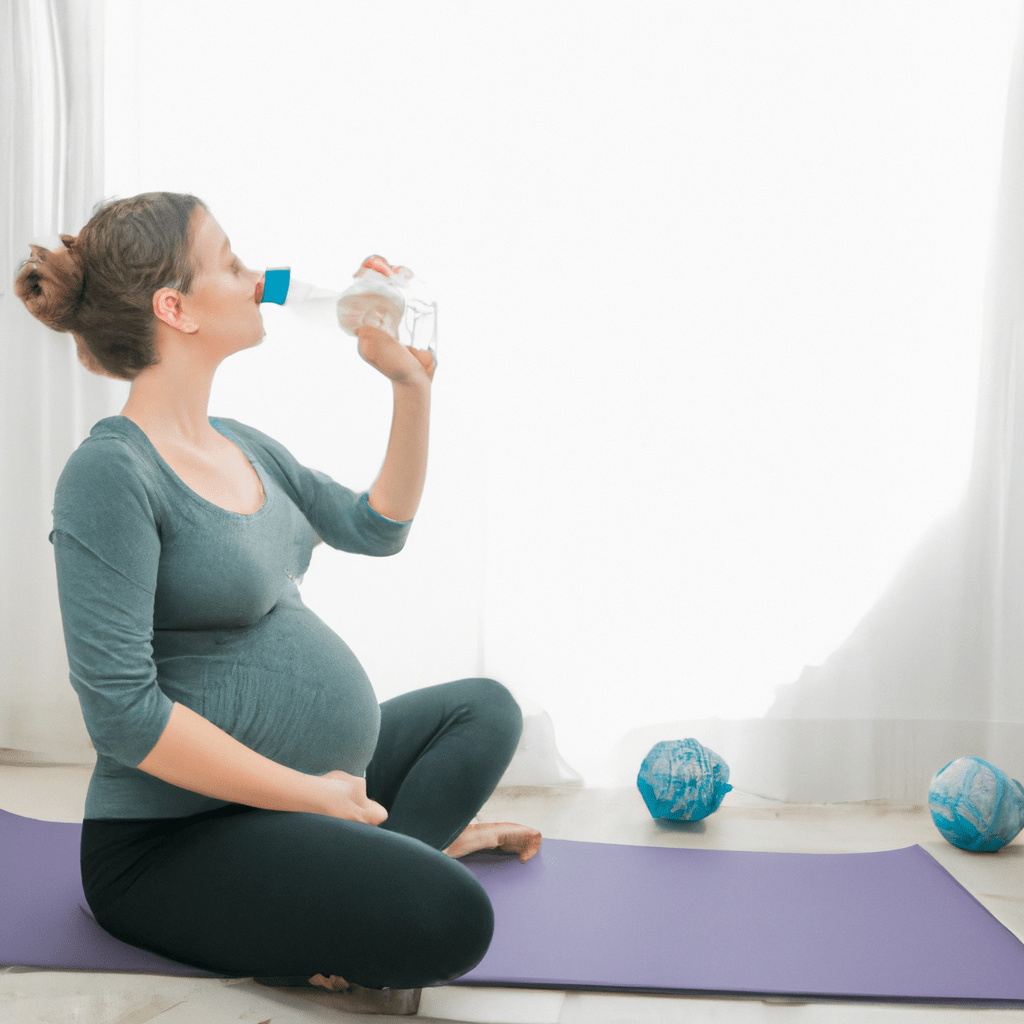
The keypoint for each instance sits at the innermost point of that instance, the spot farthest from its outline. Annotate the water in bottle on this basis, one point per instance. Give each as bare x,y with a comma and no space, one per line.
381,296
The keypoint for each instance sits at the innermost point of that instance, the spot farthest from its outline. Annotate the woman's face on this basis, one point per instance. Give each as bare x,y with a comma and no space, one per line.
225,296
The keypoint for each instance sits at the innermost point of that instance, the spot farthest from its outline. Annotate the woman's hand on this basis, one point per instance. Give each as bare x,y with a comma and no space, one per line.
344,796
502,835
400,363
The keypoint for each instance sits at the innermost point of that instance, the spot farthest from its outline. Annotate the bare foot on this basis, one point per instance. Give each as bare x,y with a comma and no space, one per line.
335,982
502,835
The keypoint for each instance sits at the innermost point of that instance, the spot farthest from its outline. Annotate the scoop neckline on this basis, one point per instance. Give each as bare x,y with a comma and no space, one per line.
195,495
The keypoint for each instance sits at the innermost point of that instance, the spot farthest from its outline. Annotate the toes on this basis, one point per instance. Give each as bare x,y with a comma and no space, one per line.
532,848
335,983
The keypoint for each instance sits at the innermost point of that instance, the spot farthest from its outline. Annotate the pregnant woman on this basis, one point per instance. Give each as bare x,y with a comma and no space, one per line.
253,810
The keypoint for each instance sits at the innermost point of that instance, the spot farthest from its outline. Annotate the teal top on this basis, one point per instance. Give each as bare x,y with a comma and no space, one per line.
168,597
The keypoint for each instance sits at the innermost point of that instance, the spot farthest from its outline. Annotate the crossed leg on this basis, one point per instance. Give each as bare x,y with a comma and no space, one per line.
291,897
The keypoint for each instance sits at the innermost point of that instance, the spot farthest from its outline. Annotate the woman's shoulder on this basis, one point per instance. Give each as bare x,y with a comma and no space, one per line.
259,443
109,500
245,431
110,442
109,462
241,430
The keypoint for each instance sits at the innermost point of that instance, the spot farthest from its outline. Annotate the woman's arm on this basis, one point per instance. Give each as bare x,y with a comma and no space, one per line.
396,492
195,754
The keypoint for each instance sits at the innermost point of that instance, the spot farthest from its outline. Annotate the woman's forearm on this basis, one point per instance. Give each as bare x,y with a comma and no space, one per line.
397,490
195,754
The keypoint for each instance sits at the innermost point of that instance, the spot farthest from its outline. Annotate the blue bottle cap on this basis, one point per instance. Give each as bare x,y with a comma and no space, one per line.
275,284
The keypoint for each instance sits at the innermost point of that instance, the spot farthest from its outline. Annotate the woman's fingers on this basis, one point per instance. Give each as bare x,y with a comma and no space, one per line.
389,356
350,801
375,813
426,358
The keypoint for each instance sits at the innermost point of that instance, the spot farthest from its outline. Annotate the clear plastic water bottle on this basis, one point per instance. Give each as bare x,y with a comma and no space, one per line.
381,296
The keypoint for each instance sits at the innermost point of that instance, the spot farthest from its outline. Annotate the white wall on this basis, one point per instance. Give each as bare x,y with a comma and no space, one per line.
710,280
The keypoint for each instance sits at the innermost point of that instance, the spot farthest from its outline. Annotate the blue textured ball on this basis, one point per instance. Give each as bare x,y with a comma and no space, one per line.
975,805
682,780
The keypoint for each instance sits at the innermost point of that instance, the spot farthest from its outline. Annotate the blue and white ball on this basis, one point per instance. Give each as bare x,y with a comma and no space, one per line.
975,805
682,780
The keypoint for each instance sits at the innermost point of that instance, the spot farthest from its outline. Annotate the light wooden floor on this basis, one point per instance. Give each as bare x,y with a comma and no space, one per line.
597,815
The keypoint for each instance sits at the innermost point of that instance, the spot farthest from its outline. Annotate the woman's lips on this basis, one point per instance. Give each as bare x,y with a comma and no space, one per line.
259,291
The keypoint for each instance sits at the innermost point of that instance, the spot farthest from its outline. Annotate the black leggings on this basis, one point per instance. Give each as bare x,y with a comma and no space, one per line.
283,895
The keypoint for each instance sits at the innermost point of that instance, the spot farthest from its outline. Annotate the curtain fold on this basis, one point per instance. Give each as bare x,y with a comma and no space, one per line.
51,155
935,670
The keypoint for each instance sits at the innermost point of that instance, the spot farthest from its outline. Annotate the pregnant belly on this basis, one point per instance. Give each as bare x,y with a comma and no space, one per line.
288,687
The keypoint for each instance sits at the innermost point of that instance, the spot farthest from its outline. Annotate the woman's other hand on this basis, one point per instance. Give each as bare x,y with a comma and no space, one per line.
344,796
399,363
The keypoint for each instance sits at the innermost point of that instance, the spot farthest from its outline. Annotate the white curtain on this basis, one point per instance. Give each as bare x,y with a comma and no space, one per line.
51,155
938,664
596,499
935,670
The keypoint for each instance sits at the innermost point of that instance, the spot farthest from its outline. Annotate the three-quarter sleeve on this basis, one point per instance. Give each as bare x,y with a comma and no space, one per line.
342,517
107,549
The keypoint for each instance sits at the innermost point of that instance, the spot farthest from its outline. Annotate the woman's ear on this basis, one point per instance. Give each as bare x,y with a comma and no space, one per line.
167,307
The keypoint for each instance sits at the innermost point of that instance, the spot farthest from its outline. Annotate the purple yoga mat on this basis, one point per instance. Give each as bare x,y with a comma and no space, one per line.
44,919
893,926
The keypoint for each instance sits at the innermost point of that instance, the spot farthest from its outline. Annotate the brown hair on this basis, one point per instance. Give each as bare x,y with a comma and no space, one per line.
100,286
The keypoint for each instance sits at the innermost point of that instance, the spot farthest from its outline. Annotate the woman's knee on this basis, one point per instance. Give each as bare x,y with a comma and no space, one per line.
497,706
434,924
460,933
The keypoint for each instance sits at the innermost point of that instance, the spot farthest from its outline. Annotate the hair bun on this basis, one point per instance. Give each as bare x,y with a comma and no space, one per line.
50,284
